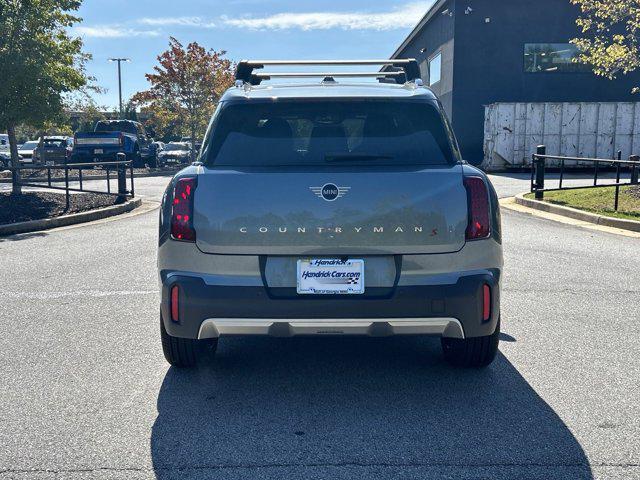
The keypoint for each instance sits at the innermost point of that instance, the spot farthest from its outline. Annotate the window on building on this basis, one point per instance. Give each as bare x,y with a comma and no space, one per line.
552,58
435,68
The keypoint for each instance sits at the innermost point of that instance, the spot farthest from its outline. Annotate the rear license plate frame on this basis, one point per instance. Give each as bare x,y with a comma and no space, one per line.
330,276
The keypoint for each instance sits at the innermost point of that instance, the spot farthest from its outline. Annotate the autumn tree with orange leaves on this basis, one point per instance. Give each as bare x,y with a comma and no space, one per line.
185,87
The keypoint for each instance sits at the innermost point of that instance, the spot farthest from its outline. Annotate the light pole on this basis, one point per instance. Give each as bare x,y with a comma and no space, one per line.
119,60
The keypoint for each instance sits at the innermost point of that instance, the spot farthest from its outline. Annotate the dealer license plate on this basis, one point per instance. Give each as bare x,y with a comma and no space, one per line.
98,150
330,276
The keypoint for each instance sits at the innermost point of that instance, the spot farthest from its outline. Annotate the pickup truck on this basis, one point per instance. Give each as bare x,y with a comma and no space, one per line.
111,137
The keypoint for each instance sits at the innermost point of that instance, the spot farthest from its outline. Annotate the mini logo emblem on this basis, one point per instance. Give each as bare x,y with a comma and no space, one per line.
330,191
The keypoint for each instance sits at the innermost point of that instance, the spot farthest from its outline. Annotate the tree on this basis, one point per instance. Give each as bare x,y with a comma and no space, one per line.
25,133
130,112
186,87
163,121
40,63
610,40
82,112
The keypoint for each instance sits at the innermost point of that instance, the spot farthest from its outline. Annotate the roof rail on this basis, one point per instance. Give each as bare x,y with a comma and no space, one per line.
245,69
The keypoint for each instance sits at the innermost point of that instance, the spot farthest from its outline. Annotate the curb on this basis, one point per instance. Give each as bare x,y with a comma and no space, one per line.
576,214
65,220
94,177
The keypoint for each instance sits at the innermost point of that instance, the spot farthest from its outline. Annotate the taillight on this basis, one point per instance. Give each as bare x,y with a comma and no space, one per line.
175,303
478,204
182,210
486,302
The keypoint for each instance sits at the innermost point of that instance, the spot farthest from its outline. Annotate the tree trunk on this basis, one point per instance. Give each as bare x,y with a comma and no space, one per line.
193,142
13,147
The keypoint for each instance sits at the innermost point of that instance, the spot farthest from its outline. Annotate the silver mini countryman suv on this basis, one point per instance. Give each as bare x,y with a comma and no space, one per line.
330,208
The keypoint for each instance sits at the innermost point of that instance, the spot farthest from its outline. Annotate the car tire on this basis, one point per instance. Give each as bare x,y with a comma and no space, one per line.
184,352
475,352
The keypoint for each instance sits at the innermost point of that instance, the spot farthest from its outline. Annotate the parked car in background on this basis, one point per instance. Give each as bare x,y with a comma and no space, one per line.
111,137
4,142
26,150
174,152
5,155
53,150
5,160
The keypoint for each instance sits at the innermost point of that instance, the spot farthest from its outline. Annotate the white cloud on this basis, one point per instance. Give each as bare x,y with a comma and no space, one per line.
177,21
111,31
403,17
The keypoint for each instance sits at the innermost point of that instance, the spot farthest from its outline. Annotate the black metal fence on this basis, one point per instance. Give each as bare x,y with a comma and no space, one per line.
621,167
114,170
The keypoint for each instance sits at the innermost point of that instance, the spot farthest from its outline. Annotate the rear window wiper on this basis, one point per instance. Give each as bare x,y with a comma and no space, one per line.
355,156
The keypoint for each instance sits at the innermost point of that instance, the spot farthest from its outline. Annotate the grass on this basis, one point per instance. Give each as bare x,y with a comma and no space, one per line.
599,200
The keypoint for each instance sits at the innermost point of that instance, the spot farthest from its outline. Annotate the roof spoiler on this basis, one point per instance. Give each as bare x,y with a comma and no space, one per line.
409,69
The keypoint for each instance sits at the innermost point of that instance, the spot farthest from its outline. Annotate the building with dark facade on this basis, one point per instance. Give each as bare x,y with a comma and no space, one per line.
474,53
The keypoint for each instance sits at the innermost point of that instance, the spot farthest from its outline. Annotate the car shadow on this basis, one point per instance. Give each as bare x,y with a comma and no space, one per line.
22,236
505,337
355,408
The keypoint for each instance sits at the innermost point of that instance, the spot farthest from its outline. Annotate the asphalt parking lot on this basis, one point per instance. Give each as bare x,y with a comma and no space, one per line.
87,394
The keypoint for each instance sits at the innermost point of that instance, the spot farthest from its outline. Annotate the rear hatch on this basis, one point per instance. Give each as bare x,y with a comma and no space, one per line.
53,150
331,177
380,212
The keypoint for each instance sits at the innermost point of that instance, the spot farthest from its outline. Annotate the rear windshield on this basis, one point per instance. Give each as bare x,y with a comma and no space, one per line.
176,147
328,133
115,127
54,143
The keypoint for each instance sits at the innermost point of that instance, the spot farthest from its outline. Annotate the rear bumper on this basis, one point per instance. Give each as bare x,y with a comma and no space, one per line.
174,159
89,157
50,159
93,158
451,310
373,327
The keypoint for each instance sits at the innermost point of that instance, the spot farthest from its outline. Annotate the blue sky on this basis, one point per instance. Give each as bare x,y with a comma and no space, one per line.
275,29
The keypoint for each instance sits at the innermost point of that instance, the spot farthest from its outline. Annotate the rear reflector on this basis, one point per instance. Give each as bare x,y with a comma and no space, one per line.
175,305
478,204
486,302
182,210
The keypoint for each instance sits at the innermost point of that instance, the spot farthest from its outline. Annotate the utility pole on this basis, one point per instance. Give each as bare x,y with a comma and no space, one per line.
119,60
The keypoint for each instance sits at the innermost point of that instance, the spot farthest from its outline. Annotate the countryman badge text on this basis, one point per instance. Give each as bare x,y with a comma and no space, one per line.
302,230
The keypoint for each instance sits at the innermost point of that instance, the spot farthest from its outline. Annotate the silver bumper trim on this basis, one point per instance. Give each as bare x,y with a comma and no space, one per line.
375,327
